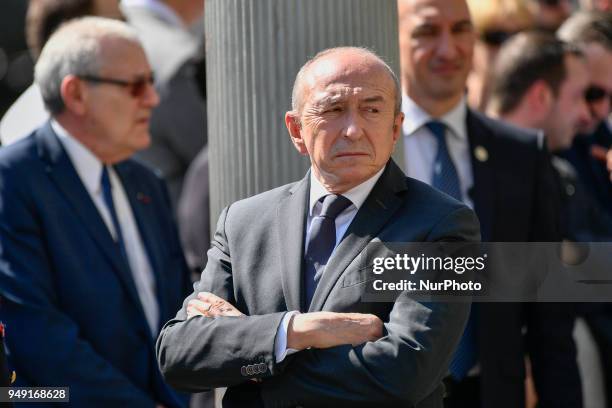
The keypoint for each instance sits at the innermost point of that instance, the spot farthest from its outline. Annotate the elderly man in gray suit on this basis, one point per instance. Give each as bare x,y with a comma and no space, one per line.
277,316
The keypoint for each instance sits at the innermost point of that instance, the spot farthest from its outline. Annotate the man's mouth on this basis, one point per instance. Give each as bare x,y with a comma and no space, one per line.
351,154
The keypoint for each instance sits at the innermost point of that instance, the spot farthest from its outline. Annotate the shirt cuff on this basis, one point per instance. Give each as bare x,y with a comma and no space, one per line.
280,343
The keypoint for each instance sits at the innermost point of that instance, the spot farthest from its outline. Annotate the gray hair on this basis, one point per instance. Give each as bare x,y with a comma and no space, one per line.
297,101
75,49
587,27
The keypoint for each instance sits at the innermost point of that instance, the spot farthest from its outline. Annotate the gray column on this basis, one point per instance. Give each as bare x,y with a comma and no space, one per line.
254,50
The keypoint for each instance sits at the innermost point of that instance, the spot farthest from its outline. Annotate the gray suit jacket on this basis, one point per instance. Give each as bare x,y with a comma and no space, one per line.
256,263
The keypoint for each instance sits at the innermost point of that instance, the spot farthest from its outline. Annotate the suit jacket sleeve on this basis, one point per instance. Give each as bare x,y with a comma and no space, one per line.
43,343
225,345
401,368
549,338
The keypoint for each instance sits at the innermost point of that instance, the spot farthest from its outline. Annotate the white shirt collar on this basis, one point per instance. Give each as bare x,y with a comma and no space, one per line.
416,117
357,195
160,9
87,165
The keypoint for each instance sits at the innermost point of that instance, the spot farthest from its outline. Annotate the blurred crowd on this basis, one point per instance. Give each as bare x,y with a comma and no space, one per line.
520,90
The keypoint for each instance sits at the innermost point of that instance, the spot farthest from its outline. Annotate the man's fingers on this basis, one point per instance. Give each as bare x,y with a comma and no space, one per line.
217,306
197,307
210,297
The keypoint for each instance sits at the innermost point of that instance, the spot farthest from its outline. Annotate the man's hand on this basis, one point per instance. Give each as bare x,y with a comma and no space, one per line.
329,329
210,305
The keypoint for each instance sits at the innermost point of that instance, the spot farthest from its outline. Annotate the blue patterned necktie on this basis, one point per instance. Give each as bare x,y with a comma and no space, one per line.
322,240
107,194
445,176
445,179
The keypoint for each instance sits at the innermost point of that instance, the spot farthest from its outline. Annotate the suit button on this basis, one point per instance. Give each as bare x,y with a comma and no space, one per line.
249,370
243,371
262,368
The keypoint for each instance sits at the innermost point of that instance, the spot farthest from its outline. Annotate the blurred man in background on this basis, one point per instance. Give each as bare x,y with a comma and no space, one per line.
90,261
474,159
43,18
539,82
592,33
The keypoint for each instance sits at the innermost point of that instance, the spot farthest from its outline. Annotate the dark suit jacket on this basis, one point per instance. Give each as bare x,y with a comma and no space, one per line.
69,302
514,198
593,173
256,263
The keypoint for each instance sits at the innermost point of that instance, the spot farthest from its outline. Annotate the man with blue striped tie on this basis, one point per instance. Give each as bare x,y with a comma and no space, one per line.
504,174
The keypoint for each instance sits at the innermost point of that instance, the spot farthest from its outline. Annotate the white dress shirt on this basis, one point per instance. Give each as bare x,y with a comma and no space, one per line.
89,169
421,145
357,195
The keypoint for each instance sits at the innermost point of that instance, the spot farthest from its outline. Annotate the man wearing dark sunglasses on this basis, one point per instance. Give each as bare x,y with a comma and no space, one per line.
592,32
503,173
90,261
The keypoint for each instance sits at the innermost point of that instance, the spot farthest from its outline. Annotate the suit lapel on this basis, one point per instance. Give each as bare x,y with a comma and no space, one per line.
484,184
291,242
381,204
63,174
139,198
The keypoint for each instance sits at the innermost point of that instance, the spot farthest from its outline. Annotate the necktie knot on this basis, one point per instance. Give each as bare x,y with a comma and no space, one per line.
438,129
334,204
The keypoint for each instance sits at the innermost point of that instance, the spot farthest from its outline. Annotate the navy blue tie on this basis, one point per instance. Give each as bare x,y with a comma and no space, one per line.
107,194
445,176
322,240
445,179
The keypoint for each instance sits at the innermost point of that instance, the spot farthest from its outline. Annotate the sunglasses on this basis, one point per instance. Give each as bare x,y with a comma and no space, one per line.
596,93
551,3
137,88
496,37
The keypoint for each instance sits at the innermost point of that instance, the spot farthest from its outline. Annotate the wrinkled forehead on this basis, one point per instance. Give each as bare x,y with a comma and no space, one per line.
335,79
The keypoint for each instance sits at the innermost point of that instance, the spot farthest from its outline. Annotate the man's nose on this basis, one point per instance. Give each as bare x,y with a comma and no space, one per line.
446,46
151,97
353,127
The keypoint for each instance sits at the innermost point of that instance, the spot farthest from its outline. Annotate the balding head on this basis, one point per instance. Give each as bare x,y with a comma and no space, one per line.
346,116
363,57
77,48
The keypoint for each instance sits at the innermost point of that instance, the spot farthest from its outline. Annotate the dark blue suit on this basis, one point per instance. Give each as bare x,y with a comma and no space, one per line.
68,297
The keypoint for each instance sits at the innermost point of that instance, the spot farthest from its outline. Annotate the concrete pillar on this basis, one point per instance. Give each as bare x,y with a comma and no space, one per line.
254,50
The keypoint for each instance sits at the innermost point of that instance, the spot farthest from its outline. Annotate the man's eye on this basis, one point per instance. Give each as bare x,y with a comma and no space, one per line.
333,109
372,110
424,32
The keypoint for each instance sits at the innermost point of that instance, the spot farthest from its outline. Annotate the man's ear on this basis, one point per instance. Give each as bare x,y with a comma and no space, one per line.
541,98
292,121
73,93
397,126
